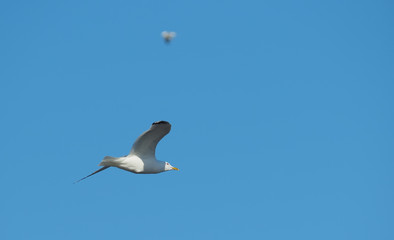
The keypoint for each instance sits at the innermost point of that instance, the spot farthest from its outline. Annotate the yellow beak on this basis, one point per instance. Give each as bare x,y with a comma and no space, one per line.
174,168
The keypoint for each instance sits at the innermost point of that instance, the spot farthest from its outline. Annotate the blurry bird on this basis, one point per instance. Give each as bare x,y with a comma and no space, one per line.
168,36
141,158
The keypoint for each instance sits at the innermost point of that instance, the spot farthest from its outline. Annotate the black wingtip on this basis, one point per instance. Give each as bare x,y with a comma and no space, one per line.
160,122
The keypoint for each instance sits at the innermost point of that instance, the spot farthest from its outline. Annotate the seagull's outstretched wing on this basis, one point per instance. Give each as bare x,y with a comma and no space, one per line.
164,34
145,145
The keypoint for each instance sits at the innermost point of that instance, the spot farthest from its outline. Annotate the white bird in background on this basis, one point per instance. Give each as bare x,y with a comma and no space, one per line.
141,158
168,36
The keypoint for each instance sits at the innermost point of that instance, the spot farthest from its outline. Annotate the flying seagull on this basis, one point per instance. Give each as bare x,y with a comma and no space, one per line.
168,36
141,158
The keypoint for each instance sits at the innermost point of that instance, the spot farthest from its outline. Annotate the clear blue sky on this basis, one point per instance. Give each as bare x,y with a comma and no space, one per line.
282,115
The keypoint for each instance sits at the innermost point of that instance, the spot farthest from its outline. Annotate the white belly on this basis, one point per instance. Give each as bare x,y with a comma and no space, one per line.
136,165
132,163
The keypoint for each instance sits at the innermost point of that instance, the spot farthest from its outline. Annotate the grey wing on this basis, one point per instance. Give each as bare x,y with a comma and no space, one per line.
145,145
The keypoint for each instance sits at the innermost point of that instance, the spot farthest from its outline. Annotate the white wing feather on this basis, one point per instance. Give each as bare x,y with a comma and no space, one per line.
145,145
164,34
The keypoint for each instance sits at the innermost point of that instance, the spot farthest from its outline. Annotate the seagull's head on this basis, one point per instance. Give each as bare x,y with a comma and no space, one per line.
168,167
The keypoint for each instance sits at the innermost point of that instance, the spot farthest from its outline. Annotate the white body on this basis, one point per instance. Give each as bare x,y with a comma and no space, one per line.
141,158
135,164
168,36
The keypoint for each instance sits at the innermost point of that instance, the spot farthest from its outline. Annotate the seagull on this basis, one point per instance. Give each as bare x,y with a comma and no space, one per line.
168,36
141,158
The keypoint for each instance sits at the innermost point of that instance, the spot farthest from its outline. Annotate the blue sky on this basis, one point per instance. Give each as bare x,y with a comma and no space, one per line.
282,115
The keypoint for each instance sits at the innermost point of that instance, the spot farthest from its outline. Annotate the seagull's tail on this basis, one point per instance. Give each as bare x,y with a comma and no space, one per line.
109,161
106,163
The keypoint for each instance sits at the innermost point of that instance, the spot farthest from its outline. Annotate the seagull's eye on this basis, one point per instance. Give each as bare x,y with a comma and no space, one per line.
167,164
